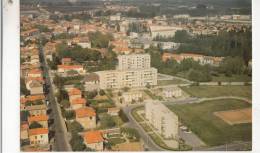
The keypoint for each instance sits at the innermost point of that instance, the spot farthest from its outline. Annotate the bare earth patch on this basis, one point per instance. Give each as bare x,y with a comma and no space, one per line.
236,116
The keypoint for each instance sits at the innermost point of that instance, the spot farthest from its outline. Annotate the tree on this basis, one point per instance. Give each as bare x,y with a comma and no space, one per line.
102,92
35,125
24,114
107,121
77,143
65,103
69,114
91,94
232,65
99,40
23,89
123,116
75,127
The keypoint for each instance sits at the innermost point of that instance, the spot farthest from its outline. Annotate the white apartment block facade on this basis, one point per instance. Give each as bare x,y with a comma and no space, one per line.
134,61
133,71
164,120
127,78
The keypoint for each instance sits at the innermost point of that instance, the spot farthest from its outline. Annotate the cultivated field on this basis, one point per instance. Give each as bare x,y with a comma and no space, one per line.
211,129
238,116
216,91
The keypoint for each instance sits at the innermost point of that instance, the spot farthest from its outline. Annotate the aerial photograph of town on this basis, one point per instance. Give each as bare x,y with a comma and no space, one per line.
135,75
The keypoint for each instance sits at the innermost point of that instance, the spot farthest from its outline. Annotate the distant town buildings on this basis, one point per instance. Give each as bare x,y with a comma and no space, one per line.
163,31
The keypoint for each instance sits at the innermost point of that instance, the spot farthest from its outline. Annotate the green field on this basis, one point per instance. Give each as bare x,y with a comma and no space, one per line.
216,91
233,78
213,131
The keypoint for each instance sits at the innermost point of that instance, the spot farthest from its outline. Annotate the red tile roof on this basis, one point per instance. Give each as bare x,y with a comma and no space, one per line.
38,131
37,118
74,91
85,112
93,137
78,101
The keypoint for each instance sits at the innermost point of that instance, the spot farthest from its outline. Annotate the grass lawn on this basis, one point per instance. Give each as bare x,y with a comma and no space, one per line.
215,91
234,78
146,127
169,82
118,120
211,129
135,115
115,141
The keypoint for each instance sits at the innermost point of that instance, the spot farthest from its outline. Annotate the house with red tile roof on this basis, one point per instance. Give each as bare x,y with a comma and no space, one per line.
78,103
38,136
66,61
74,93
64,69
41,119
94,140
86,117
34,73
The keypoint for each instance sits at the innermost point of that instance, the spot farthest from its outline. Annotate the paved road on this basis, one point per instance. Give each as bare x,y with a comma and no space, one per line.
149,144
61,142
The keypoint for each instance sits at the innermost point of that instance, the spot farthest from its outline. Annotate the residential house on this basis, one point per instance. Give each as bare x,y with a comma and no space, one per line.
91,82
37,110
77,103
94,140
66,69
41,119
38,136
66,61
86,117
74,93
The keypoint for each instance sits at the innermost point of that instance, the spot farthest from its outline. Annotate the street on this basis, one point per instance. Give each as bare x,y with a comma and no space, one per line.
61,142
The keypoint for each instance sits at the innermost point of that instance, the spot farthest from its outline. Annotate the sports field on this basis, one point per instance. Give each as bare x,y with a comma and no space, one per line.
200,118
237,116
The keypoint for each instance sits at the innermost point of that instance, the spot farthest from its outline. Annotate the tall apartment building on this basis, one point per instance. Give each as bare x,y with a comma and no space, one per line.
164,120
134,61
133,71
127,78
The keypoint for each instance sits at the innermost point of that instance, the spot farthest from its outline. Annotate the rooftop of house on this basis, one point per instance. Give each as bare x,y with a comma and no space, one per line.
85,112
38,131
37,118
93,137
78,101
32,98
74,91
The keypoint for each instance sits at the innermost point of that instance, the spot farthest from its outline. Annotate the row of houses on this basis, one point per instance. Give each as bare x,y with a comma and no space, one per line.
202,59
34,131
